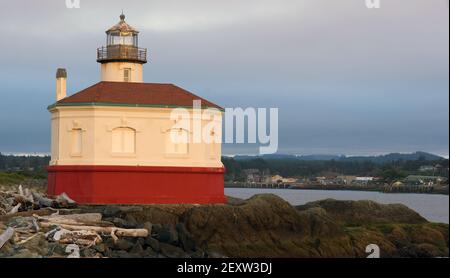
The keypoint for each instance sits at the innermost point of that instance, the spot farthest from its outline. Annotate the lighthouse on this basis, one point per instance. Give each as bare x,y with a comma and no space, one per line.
118,141
121,59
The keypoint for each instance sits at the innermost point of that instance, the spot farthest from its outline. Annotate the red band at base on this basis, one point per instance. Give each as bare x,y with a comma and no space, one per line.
137,184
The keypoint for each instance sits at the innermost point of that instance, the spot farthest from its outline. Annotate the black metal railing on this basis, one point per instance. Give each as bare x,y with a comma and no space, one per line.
121,53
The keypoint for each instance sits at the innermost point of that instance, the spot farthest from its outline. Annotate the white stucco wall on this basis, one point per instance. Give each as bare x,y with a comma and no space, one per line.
114,71
96,125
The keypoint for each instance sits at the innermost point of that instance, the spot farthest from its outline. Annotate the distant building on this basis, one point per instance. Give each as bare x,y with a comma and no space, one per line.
427,180
257,176
426,168
321,180
347,180
363,180
280,179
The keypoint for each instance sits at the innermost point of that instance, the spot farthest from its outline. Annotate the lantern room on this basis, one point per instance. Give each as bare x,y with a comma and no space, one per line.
122,34
122,45
121,59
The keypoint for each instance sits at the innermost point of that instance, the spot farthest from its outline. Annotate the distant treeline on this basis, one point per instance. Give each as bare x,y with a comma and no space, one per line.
33,166
284,166
389,171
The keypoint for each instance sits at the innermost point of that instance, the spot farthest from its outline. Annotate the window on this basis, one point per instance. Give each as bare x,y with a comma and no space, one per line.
127,75
123,140
177,142
76,141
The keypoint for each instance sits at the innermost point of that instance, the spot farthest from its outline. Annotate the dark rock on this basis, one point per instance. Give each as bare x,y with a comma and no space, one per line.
108,253
153,243
123,244
171,251
7,250
130,222
55,249
366,212
100,247
198,254
214,255
25,253
156,228
38,245
167,234
111,211
131,209
123,254
163,214
148,226
109,243
140,241
149,253
185,238
88,253
137,248
119,222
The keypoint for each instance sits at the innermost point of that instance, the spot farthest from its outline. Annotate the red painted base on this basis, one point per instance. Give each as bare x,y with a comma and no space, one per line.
137,184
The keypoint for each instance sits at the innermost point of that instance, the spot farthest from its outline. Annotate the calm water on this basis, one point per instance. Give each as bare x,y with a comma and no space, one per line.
433,207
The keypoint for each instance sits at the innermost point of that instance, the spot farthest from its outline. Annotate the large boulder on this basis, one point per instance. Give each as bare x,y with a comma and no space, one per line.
366,212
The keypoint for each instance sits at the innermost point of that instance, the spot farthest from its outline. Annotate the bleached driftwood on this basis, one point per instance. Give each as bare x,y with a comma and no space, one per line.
63,198
28,239
45,211
42,201
84,217
15,209
81,237
35,225
7,235
106,230
22,199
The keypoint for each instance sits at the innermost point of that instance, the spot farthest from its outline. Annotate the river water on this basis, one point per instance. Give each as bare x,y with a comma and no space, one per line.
434,207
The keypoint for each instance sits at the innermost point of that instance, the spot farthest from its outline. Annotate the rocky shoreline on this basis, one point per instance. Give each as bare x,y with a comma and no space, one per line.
261,227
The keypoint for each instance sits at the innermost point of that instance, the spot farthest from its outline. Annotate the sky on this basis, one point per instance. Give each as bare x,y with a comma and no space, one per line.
346,79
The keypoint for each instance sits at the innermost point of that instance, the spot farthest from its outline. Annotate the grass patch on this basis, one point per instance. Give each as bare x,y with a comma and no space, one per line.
11,178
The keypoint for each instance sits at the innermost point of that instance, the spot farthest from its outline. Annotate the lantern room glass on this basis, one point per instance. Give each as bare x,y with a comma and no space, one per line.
122,38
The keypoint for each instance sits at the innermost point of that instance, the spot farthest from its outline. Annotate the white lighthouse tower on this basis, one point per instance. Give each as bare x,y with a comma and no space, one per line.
121,59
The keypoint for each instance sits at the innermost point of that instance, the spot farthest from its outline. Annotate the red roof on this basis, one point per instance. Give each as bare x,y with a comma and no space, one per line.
136,94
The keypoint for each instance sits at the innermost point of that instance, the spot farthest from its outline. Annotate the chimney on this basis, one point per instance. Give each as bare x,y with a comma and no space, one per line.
61,88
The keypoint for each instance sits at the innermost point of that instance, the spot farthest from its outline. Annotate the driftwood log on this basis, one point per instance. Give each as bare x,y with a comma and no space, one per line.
64,199
107,230
46,211
43,201
7,235
15,209
82,237
85,219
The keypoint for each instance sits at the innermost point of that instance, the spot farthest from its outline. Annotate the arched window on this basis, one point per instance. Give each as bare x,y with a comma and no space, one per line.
123,140
76,141
177,141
